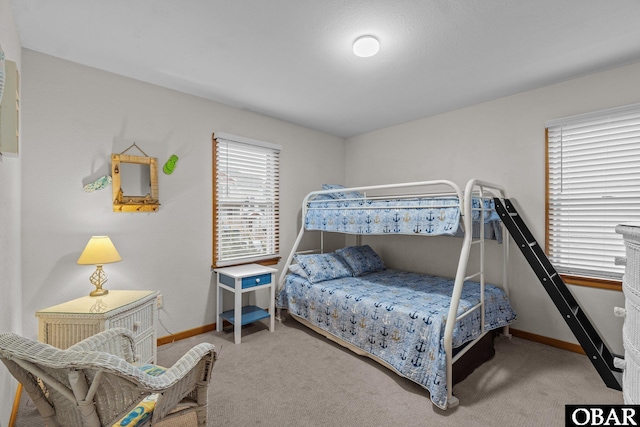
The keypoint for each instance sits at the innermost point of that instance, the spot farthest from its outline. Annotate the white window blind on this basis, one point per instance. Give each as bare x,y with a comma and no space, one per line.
594,185
247,198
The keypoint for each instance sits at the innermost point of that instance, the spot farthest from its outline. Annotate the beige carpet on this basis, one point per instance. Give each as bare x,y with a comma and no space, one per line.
293,377
188,420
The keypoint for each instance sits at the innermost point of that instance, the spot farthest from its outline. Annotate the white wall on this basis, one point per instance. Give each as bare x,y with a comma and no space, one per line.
10,184
74,117
500,141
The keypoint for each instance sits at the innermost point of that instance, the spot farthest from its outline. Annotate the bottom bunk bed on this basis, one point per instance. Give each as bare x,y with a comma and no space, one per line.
480,353
396,317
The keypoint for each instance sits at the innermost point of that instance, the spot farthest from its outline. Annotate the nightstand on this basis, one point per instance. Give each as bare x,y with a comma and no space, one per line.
65,324
239,280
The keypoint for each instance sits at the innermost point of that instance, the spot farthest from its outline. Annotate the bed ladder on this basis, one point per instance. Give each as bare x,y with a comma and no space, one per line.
577,320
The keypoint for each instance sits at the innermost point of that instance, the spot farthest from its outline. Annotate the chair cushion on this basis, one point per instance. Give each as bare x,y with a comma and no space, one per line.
143,411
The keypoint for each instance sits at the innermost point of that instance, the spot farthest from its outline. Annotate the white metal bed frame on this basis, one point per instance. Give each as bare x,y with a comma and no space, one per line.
474,188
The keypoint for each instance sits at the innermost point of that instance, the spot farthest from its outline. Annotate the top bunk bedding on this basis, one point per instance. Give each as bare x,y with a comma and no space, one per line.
353,212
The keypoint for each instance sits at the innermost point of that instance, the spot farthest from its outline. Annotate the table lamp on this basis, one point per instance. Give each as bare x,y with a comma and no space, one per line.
99,251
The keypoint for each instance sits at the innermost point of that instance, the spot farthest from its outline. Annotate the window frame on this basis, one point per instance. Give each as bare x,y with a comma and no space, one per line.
267,260
575,279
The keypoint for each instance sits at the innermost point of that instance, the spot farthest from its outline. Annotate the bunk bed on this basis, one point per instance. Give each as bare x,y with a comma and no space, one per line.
417,325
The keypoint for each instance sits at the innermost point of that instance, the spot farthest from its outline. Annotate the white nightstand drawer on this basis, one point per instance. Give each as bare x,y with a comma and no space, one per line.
247,282
250,282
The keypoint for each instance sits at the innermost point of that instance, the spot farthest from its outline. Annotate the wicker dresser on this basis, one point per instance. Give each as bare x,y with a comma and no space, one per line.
631,329
65,324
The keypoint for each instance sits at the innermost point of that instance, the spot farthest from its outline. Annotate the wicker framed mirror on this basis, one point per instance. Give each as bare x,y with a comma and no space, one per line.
132,175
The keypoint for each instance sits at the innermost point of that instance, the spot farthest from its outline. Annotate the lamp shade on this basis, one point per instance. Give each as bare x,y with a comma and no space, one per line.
100,250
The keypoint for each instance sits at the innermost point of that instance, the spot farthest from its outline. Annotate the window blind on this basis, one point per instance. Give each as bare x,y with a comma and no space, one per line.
593,185
246,200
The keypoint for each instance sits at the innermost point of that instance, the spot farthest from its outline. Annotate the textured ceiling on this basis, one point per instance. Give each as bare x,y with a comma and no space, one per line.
292,59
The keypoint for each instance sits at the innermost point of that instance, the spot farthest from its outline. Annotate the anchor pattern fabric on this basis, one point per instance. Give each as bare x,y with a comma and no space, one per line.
426,216
397,316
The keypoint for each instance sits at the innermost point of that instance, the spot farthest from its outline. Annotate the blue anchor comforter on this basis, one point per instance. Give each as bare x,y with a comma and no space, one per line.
398,317
423,215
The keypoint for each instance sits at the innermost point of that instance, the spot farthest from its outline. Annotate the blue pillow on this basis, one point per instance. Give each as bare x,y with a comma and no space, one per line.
296,269
361,259
320,267
342,194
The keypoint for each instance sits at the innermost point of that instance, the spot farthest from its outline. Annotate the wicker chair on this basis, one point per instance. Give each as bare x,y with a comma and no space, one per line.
95,383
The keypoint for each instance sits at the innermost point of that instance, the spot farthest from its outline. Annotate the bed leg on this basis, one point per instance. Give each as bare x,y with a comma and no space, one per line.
505,332
452,402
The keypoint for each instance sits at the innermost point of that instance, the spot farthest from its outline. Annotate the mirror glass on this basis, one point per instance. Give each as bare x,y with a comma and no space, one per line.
135,179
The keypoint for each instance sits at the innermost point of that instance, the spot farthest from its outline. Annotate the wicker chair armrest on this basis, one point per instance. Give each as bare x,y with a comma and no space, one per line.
196,356
190,377
116,365
117,341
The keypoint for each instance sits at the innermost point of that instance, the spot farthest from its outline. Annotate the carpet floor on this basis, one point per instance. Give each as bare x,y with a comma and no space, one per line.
294,377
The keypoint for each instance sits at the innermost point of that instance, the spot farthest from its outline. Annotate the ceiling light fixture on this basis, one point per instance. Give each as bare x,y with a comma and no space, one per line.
366,46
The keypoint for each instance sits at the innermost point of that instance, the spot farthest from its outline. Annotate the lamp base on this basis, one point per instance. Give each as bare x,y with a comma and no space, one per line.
99,292
98,278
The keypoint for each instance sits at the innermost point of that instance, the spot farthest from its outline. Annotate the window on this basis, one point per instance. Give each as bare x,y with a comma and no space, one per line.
593,184
245,201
